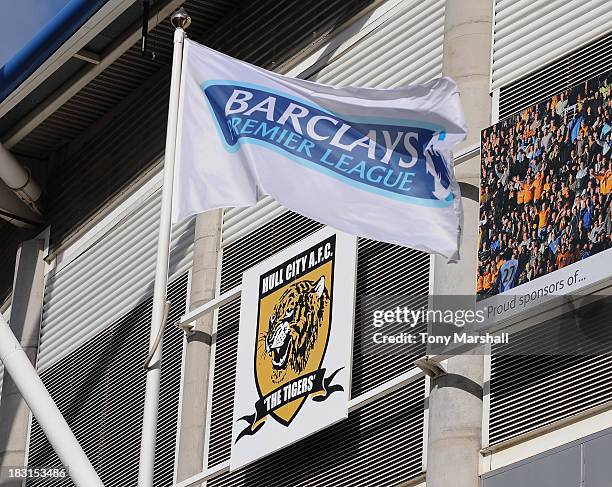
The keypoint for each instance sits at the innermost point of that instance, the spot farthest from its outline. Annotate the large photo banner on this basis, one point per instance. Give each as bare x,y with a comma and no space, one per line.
545,198
294,348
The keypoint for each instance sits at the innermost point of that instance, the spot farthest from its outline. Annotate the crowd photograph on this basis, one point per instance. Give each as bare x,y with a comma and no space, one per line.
546,187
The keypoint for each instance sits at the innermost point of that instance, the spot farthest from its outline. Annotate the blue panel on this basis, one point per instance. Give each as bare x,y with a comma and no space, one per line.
46,42
598,462
560,469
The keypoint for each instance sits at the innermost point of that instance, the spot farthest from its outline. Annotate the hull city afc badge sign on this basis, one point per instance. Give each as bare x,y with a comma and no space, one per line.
294,347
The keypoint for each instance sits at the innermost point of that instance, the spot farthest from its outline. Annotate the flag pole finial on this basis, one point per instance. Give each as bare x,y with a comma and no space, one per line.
180,19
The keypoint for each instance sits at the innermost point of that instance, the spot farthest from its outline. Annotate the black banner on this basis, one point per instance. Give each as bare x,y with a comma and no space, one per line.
297,266
315,384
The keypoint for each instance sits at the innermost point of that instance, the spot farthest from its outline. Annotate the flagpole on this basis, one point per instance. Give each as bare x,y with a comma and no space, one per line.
180,20
49,417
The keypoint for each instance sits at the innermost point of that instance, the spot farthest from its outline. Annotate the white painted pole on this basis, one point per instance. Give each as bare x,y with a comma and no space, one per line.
47,414
181,21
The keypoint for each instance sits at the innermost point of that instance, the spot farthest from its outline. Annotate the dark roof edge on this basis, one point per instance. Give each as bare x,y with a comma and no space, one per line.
57,31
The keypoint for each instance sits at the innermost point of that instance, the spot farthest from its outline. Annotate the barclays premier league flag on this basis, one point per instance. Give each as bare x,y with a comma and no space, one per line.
371,162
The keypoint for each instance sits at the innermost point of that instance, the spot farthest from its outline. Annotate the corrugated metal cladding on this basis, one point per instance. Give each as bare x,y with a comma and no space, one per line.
584,63
382,269
530,392
531,33
378,445
108,278
406,49
99,388
109,161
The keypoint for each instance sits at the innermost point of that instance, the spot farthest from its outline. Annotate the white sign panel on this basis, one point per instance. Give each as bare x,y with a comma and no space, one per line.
294,348
580,278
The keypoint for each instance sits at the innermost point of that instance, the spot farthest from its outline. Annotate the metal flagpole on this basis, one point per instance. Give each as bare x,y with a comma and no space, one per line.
180,20
44,409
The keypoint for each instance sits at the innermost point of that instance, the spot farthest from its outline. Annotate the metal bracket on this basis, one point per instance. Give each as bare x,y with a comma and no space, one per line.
188,328
160,334
430,366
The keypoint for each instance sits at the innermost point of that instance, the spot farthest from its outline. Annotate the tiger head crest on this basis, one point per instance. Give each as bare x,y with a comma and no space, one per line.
294,325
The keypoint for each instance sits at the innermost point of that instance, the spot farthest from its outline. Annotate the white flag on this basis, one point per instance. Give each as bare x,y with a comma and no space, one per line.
371,162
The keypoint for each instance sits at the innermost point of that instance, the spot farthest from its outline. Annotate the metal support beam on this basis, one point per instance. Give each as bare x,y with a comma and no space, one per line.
197,363
26,306
53,424
90,57
186,322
